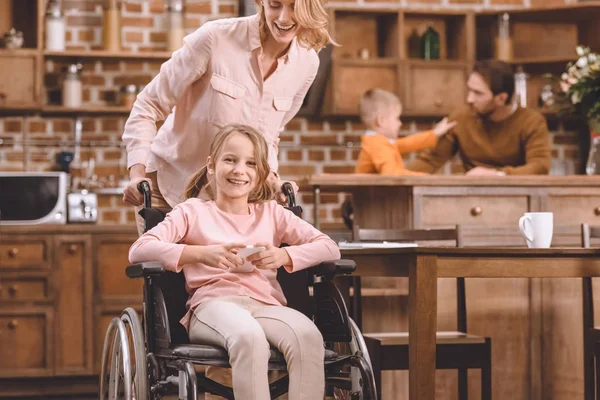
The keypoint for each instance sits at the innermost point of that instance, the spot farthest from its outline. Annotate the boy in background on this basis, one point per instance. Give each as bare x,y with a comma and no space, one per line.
380,148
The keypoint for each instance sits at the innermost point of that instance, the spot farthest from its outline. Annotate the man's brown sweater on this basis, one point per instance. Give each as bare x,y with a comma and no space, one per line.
518,145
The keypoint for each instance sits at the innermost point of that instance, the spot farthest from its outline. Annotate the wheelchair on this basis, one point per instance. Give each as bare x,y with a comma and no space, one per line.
154,358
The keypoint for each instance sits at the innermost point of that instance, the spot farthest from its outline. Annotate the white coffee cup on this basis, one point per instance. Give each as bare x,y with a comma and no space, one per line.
536,228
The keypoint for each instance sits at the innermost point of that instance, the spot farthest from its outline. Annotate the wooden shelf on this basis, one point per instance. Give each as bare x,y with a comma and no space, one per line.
87,109
544,60
19,52
102,54
373,62
22,108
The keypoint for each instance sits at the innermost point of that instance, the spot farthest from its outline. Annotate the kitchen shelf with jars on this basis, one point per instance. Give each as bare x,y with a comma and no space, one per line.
539,43
36,34
423,56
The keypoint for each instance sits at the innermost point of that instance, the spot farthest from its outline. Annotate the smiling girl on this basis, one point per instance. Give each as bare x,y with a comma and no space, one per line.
243,312
252,70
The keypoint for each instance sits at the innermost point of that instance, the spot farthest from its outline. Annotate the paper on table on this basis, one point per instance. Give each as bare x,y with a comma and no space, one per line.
373,245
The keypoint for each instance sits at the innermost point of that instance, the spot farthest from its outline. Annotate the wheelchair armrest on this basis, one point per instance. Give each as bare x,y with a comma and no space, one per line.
145,269
336,267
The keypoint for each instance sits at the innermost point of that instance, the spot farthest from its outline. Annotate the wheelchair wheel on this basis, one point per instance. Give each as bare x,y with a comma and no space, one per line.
123,369
361,382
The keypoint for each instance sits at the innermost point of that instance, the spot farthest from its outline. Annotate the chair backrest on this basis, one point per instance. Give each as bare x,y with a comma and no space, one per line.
588,232
421,235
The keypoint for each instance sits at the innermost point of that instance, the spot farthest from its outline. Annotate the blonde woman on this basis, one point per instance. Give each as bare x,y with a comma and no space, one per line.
242,310
252,70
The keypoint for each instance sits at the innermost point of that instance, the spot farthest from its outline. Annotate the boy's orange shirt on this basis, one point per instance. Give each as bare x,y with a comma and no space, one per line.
378,155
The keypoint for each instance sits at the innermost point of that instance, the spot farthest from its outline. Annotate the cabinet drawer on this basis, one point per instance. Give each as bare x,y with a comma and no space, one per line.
24,254
574,210
25,338
23,288
472,210
434,88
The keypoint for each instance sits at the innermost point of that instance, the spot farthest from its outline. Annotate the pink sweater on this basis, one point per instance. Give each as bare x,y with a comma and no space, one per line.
198,222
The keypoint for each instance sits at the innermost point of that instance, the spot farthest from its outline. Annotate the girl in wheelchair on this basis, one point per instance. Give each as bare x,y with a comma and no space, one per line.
243,312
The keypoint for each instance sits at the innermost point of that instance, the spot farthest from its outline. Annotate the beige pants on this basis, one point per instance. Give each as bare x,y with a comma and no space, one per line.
221,375
247,329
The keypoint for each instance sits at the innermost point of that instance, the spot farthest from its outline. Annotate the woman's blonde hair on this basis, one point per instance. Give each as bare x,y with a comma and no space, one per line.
312,19
262,191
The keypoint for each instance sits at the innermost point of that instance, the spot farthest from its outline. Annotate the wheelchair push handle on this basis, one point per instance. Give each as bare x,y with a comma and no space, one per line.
144,189
288,190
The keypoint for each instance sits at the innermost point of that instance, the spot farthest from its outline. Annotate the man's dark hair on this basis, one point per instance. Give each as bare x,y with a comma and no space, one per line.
498,75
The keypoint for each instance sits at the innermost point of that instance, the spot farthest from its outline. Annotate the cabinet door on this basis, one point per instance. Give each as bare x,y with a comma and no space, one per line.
433,88
24,251
74,311
112,257
25,342
18,79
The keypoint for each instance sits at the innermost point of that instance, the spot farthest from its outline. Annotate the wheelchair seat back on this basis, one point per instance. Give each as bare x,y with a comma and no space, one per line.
169,290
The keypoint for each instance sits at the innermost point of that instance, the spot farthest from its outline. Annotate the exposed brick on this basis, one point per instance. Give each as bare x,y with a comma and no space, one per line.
88,125
61,125
108,217
227,9
325,140
497,2
198,8
134,36
110,124
316,155
158,37
86,95
105,201
12,125
133,7
140,22
85,36
132,79
94,80
338,169
315,126
107,170
192,23
14,156
296,170
111,66
82,6
40,156
156,47
328,198
134,66
566,139
130,215
337,126
112,155
37,126
294,125
337,155
294,155
157,6
84,20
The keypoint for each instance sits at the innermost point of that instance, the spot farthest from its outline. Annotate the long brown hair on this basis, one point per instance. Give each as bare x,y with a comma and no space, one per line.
312,19
262,191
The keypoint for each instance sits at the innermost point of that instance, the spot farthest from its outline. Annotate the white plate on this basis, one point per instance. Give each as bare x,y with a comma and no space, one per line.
373,245
247,252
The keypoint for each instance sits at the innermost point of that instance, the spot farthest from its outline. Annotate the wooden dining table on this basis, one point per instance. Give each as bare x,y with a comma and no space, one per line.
423,265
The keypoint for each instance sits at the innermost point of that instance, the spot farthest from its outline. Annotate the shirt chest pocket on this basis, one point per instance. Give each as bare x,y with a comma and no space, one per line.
281,105
227,100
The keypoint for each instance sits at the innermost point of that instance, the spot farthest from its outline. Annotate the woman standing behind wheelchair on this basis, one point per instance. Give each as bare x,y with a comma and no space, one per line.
253,70
243,312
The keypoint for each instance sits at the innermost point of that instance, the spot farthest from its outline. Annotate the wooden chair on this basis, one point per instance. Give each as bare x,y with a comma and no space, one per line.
454,350
591,333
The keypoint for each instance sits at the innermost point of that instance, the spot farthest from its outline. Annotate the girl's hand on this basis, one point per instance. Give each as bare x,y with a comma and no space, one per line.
222,256
443,127
271,258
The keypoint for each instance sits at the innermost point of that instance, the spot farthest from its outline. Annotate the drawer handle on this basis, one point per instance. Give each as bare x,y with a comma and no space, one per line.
597,211
476,211
72,249
13,324
12,253
13,290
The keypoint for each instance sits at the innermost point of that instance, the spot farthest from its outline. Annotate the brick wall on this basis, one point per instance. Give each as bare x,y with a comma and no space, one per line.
31,142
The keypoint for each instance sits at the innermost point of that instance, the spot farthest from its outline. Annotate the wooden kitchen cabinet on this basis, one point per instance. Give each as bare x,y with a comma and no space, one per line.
19,80
59,287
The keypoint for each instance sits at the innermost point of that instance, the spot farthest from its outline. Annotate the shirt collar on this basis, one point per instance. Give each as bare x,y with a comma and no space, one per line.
370,132
254,42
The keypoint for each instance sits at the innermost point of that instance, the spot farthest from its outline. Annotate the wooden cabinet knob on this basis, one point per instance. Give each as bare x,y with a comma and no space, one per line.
13,290
12,253
438,102
72,249
13,324
597,211
475,211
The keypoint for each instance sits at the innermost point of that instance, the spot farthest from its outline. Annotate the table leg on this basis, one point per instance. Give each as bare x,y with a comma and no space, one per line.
422,324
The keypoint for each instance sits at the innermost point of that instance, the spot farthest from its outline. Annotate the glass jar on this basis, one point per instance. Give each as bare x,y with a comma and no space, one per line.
111,25
521,87
430,44
72,87
504,45
55,27
128,95
414,45
593,162
176,26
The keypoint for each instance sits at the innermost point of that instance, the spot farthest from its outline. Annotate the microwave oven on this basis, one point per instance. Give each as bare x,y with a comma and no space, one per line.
31,198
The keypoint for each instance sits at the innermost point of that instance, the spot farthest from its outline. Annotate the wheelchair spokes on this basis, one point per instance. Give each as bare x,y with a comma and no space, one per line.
123,370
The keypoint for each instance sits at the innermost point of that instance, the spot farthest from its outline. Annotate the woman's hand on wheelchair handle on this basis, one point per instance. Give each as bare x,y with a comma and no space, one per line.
222,256
276,183
131,194
271,258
